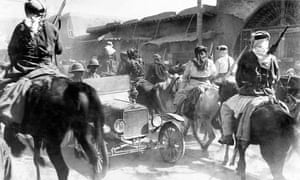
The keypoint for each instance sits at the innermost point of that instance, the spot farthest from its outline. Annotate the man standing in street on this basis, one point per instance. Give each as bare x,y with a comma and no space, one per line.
110,58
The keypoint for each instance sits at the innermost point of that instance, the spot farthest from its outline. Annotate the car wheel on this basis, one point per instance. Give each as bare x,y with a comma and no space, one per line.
171,143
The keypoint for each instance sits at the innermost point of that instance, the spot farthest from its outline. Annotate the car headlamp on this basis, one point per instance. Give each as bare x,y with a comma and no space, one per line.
119,125
156,121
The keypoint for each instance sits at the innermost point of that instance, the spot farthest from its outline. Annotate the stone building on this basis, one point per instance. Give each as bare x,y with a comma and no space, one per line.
173,35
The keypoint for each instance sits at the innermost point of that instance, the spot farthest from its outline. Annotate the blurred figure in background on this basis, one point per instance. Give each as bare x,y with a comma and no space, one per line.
157,71
290,72
77,70
92,69
110,58
224,62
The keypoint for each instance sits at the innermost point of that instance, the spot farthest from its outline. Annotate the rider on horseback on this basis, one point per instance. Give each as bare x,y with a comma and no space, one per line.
32,50
198,71
257,72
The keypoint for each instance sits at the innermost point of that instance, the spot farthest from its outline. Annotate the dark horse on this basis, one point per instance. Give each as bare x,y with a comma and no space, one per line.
274,131
52,107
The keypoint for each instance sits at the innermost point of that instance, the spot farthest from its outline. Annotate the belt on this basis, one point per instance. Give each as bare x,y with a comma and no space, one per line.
199,78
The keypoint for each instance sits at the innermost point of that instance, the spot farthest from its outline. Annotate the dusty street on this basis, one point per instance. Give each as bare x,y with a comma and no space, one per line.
149,166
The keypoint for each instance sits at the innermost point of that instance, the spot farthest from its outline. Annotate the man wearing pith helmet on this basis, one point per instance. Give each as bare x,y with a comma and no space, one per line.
77,70
257,72
92,69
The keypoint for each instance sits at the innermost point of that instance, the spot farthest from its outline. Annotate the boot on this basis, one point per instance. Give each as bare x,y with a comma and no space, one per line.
226,140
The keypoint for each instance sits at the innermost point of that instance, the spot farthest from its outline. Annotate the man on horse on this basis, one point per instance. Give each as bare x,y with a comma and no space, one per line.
224,62
32,50
257,72
198,72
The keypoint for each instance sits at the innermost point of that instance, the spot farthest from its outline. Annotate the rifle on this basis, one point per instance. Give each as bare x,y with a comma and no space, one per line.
55,21
274,47
211,51
58,15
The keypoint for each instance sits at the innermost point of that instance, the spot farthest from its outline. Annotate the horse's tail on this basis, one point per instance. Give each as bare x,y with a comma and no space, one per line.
86,101
99,122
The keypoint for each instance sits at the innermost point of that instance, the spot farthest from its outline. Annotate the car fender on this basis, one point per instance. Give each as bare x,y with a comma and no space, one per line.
175,119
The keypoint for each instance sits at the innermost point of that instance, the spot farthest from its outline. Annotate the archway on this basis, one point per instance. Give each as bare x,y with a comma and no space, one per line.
273,17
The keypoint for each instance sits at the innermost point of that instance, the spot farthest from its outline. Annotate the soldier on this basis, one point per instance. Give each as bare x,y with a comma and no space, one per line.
77,70
257,72
92,69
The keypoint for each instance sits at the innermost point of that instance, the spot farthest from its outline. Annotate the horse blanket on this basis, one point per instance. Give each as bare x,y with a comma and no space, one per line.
12,100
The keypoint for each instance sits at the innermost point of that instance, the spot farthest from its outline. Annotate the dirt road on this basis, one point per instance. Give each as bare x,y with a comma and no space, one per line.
149,166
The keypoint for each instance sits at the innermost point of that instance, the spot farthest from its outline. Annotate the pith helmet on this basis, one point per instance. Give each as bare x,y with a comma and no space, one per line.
77,67
37,7
93,62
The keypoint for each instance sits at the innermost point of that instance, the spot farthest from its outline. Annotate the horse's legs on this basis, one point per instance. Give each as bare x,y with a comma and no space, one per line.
55,155
242,146
226,155
211,136
37,155
275,157
195,127
235,151
88,149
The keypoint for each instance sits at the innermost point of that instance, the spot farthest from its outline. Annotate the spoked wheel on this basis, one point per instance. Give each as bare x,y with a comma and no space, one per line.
171,142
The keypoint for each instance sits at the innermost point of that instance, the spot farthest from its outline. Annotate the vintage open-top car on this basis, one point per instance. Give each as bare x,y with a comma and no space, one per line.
132,127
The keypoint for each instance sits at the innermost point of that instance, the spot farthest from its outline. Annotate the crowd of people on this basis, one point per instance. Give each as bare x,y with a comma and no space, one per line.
35,43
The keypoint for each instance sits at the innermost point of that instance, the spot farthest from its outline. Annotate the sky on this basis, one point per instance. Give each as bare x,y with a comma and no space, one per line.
118,10
123,9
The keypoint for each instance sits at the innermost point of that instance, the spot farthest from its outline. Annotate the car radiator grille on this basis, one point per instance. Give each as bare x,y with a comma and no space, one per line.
136,122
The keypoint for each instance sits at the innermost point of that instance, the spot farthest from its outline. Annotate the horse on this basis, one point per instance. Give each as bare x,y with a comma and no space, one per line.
51,109
274,131
200,108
